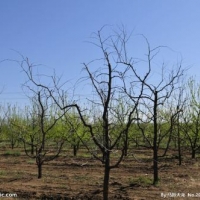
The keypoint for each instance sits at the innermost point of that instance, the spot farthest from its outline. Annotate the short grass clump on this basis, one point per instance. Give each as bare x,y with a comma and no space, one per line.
2,173
12,153
141,180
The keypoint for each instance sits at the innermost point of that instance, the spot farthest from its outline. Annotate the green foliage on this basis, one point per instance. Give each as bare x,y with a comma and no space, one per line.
12,153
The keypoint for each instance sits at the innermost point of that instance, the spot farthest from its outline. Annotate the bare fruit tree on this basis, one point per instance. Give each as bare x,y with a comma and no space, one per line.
46,116
156,90
110,113
191,116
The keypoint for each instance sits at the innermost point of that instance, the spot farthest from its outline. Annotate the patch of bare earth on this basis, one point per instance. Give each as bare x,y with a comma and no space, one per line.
82,178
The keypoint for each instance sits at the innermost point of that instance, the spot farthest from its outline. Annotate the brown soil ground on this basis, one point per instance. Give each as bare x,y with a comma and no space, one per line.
81,178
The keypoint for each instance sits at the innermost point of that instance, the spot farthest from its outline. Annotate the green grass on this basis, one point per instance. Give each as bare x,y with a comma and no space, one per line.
3,173
12,153
31,161
141,180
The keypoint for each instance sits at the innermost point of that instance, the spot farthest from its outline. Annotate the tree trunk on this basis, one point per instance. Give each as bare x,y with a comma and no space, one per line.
155,166
193,153
106,176
75,150
12,143
32,149
155,149
32,146
126,145
39,170
39,164
179,145
179,152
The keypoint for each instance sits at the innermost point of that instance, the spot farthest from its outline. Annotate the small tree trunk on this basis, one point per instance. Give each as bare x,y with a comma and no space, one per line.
39,170
32,146
179,153
126,145
179,145
32,149
74,150
12,143
193,153
39,164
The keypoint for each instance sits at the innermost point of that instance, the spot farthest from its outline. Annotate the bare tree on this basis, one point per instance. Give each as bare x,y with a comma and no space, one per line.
172,114
108,123
107,82
47,116
191,116
155,94
32,125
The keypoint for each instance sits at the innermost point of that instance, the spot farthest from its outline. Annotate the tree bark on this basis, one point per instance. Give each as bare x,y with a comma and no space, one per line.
32,146
179,145
155,149
193,153
75,148
39,164
126,145
106,176
39,170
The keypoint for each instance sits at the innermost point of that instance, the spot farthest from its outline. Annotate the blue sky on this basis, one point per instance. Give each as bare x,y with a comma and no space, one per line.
55,33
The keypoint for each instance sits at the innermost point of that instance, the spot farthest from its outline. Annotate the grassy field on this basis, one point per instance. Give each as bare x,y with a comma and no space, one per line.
68,177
